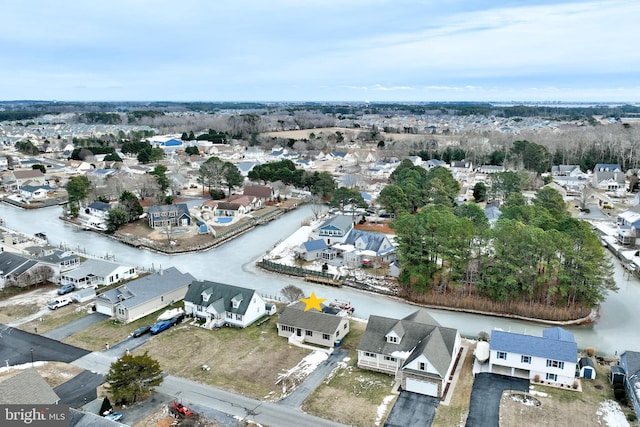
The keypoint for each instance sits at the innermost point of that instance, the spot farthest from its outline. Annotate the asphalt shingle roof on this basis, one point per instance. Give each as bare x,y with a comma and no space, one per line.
27,387
220,295
294,315
530,345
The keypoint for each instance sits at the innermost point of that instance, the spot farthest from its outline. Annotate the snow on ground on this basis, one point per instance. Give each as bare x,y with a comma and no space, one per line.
537,393
382,409
296,375
610,412
23,366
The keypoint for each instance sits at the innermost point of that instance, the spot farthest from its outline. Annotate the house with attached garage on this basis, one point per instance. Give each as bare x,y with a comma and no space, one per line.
312,327
97,272
176,215
218,304
16,270
145,295
360,247
416,350
551,357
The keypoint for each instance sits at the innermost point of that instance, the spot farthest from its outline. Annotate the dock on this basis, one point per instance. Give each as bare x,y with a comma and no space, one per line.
323,281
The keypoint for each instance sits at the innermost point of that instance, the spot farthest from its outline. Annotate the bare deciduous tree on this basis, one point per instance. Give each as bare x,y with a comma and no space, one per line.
292,293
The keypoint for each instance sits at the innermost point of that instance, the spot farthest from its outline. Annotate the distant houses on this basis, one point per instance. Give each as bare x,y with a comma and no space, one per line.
176,215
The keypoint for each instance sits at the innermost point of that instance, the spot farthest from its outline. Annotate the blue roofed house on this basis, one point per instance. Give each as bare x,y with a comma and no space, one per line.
550,358
176,214
630,363
219,304
334,230
145,295
35,192
311,250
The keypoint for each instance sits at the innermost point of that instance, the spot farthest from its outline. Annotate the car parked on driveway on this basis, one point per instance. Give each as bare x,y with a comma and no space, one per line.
59,302
141,331
65,289
161,326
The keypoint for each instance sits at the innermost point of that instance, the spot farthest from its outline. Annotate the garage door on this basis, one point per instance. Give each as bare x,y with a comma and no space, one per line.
422,387
104,309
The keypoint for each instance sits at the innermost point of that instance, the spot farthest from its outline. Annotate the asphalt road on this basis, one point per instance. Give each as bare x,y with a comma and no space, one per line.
412,409
18,347
484,410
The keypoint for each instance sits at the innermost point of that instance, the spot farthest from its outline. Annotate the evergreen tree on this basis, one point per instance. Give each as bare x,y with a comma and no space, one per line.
132,377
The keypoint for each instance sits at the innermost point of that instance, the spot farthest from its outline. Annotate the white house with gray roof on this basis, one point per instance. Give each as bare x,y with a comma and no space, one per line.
334,230
419,352
96,272
551,357
13,266
145,295
219,304
311,326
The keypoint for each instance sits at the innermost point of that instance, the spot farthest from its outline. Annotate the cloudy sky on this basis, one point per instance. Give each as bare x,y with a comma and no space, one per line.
320,50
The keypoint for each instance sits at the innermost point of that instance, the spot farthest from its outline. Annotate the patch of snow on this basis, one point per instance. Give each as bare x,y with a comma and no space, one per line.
610,412
294,376
537,393
23,366
401,354
382,409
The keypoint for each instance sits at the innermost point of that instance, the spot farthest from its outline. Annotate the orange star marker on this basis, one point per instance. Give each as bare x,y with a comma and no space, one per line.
313,302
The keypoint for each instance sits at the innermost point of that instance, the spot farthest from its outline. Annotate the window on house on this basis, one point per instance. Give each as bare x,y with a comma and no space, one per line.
229,316
502,355
552,377
326,337
390,359
239,317
345,326
367,354
161,297
525,359
392,339
309,333
421,366
555,364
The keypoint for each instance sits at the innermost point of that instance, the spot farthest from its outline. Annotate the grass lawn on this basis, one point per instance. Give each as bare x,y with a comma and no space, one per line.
56,318
244,361
352,395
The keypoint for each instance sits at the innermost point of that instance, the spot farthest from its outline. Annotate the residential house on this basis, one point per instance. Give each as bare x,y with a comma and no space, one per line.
416,350
461,170
334,230
312,327
14,267
493,213
551,358
566,170
250,203
570,177
57,259
95,272
432,163
145,295
489,169
229,209
311,250
218,304
361,247
4,163
176,215
98,209
608,180
35,192
628,231
27,387
607,167
33,177
262,192
245,167
630,363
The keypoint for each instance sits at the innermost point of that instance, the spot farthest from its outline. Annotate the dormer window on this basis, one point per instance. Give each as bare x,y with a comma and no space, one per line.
235,301
205,296
392,339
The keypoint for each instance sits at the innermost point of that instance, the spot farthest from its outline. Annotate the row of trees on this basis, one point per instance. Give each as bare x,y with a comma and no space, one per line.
214,174
321,184
555,261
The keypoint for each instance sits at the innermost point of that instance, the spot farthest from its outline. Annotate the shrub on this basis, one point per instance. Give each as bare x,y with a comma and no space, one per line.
575,384
536,378
591,351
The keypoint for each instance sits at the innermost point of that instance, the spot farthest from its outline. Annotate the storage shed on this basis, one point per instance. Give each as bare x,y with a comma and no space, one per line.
587,368
617,375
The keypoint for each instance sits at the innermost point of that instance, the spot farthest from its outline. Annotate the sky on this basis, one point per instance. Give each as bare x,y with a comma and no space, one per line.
320,50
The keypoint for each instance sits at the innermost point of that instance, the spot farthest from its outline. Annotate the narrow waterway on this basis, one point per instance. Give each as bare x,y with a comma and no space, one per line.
234,263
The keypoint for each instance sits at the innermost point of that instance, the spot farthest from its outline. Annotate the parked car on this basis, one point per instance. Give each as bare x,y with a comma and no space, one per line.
141,331
177,319
114,416
65,289
59,302
160,326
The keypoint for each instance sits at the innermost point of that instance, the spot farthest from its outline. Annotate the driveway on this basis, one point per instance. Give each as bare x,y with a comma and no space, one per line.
412,409
295,399
18,347
80,389
77,325
484,409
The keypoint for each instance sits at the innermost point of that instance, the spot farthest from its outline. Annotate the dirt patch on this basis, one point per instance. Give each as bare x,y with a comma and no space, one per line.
382,227
54,373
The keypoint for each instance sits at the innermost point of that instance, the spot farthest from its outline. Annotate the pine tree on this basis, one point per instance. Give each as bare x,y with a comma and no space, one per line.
133,377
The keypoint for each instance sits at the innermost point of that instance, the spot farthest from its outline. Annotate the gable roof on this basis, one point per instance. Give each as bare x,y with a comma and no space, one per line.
338,222
221,294
314,245
14,264
99,206
372,241
422,336
531,345
94,267
260,191
148,287
27,174
27,387
294,315
182,208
